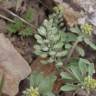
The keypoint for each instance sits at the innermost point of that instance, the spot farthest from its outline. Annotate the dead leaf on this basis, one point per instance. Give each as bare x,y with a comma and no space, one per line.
14,67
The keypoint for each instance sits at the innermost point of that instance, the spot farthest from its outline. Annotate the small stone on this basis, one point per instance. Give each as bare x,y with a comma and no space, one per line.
92,18
12,64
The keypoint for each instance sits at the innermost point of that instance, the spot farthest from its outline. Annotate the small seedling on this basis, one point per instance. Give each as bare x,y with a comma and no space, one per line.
19,27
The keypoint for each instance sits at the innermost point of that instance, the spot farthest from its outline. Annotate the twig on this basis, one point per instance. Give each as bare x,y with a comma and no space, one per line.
72,50
8,19
65,69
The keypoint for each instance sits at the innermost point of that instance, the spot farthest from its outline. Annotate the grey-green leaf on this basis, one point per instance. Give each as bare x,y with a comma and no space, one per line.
80,51
70,37
52,53
76,72
68,46
60,54
83,67
69,87
66,76
58,45
42,31
45,49
91,69
38,37
59,64
37,47
75,30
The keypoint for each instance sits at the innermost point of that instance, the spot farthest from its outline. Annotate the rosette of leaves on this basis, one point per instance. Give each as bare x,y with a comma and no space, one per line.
19,27
79,76
50,43
42,84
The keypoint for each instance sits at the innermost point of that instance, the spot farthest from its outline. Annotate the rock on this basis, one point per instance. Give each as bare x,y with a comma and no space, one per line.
12,64
2,26
8,3
82,20
92,18
90,9
93,93
70,15
87,5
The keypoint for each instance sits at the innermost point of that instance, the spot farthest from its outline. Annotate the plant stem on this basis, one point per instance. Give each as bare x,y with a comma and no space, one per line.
66,70
72,49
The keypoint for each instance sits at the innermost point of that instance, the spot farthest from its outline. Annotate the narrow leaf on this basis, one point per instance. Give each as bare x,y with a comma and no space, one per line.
83,67
65,75
75,30
69,87
91,69
76,73
38,37
42,31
